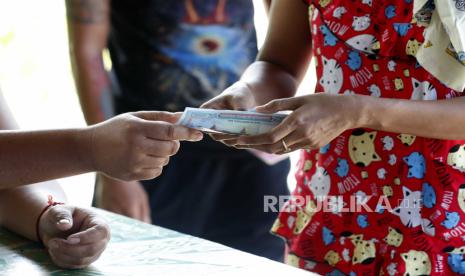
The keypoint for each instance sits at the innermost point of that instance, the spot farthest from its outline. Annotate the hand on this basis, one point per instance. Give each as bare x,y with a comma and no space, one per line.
236,97
74,237
123,197
136,146
315,121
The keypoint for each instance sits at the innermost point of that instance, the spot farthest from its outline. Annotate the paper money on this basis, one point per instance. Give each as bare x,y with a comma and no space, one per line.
230,122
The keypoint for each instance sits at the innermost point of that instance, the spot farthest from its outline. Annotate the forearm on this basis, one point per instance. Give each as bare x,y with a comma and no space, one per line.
93,86
443,119
268,82
36,156
20,207
88,28
285,56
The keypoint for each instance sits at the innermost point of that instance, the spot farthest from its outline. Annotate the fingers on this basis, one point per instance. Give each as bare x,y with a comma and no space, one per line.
276,148
159,149
220,137
295,139
56,221
236,97
158,116
146,174
84,246
303,145
169,132
281,105
273,137
94,234
75,256
220,102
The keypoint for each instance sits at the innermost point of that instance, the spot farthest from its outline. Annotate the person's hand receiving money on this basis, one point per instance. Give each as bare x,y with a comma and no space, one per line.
315,121
236,97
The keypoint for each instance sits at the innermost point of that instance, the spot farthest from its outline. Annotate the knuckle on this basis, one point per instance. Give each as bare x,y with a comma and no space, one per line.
131,114
274,104
170,129
130,127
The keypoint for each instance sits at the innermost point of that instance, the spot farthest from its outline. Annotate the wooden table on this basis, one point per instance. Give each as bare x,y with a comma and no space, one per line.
137,248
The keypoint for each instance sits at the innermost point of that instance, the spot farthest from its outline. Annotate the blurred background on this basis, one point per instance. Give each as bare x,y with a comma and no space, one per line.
36,79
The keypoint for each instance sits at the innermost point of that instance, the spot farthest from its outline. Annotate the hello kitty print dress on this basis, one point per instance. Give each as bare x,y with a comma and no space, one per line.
373,202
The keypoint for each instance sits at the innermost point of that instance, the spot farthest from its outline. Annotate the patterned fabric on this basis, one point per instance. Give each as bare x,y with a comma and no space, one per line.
171,54
410,190
444,48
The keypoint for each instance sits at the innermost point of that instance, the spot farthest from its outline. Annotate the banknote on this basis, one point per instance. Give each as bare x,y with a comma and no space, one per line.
229,121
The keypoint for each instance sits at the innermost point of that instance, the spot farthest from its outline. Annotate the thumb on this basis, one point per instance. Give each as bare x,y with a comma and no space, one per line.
59,219
279,105
158,116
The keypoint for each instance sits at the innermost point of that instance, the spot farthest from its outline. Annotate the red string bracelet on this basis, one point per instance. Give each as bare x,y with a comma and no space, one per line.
50,203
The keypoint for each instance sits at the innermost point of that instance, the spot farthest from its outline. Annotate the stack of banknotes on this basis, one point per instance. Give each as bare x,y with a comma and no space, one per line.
229,121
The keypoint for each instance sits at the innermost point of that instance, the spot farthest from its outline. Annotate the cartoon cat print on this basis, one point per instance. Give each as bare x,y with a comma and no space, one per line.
362,148
461,197
365,42
423,91
332,78
456,157
394,237
416,263
455,259
406,139
412,47
416,165
361,23
409,208
304,217
364,251
320,183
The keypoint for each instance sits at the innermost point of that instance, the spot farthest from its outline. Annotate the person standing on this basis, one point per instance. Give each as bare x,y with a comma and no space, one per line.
380,179
168,55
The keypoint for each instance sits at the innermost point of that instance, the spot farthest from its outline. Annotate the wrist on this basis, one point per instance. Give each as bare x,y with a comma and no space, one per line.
84,140
39,231
361,111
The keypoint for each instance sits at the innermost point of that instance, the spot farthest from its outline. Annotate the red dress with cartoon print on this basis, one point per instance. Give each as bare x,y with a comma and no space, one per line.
409,191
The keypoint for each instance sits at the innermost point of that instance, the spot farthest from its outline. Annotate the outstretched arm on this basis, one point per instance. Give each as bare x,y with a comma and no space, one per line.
131,146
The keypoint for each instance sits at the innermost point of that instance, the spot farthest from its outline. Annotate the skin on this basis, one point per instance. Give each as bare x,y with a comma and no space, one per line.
89,24
128,147
74,237
317,119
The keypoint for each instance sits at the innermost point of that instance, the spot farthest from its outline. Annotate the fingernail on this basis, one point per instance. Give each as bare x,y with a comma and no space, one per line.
73,240
64,221
53,244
